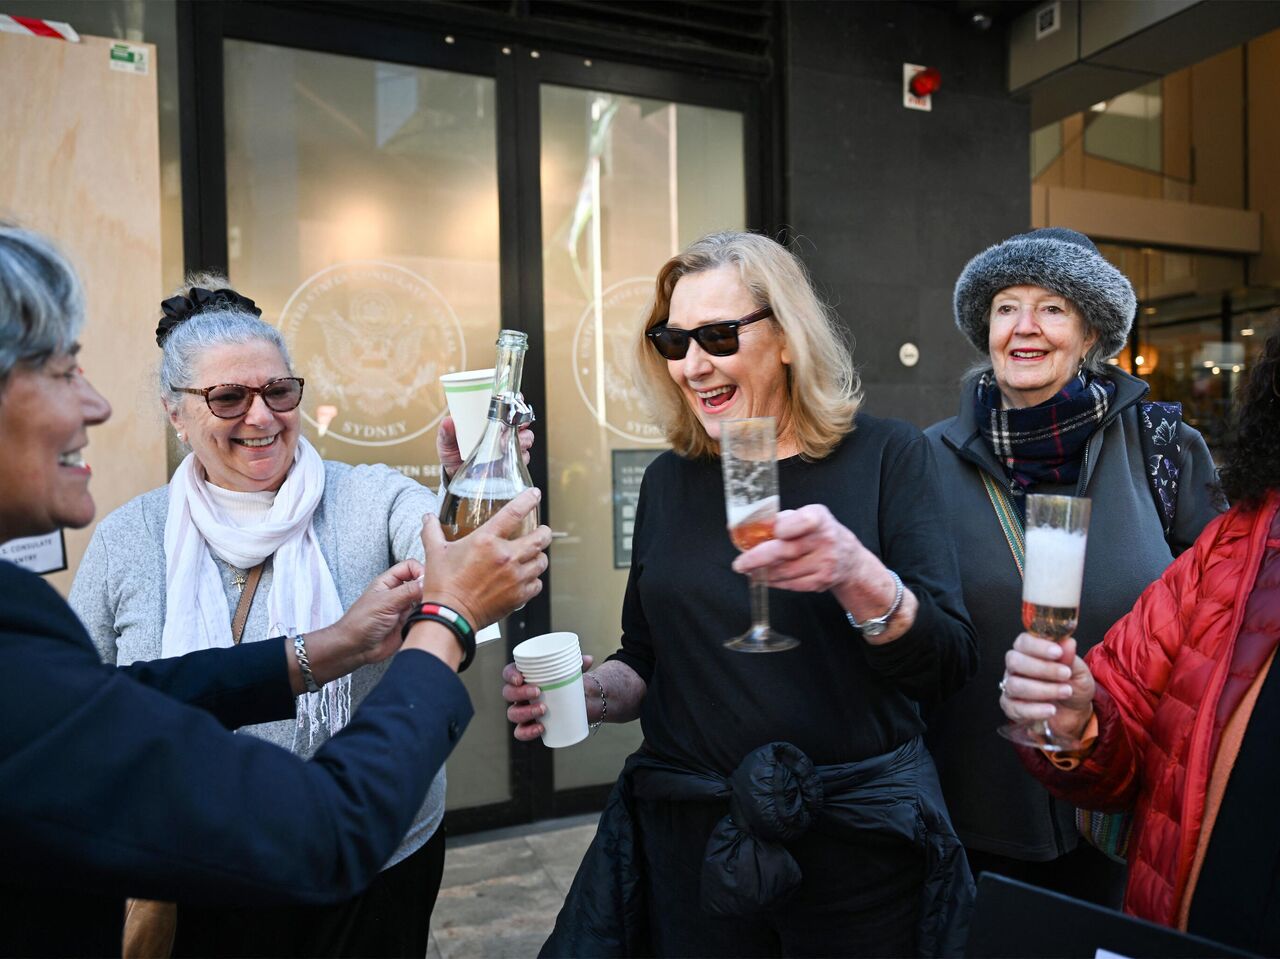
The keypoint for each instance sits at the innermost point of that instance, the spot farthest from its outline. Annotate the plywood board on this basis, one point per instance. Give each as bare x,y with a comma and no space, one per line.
81,162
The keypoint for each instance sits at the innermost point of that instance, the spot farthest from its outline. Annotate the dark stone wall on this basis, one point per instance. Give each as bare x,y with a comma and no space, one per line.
887,204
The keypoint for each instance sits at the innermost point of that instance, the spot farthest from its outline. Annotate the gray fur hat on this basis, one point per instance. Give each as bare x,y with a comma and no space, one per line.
1057,259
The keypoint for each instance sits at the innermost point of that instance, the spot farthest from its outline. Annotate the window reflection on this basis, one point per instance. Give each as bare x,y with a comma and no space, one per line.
362,213
626,182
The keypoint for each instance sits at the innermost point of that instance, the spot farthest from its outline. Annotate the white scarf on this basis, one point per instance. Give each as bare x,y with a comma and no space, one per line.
303,596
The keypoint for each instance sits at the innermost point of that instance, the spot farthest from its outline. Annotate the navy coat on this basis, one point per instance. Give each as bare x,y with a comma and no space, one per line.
126,782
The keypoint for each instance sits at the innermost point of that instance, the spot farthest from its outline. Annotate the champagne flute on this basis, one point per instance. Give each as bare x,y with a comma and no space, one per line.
1056,532
749,459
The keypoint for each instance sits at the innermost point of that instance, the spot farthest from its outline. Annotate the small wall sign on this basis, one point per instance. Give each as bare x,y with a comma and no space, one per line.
129,58
628,471
1048,19
39,554
909,99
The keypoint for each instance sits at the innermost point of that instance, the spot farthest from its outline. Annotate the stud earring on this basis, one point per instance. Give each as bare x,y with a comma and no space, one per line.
181,438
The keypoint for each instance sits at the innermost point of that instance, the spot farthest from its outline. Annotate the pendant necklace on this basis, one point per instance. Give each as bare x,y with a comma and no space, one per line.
238,576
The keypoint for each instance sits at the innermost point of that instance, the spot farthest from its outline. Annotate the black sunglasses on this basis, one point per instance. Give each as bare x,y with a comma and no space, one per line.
718,339
228,401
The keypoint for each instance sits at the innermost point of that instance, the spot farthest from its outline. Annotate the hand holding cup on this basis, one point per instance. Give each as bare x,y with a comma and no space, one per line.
527,709
811,551
450,455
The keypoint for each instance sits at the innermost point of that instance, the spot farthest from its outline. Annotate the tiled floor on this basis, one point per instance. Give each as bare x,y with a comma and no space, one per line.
502,890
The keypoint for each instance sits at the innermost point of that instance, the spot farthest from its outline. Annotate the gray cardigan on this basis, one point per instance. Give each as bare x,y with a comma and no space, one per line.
995,805
369,518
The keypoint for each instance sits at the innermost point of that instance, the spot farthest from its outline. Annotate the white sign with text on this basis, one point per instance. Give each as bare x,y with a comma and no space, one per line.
40,554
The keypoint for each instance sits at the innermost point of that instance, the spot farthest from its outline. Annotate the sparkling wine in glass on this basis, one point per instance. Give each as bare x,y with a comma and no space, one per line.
749,458
1056,531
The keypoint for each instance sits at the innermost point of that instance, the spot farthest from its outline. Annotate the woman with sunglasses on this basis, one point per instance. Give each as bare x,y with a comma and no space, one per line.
255,534
814,751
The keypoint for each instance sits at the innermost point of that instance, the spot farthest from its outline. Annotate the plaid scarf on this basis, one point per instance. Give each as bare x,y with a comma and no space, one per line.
1044,443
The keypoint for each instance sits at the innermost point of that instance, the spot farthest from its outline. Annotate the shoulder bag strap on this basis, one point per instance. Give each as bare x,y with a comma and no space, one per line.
246,600
1009,517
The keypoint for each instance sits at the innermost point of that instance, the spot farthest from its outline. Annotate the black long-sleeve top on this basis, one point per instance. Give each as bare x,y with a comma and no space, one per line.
836,697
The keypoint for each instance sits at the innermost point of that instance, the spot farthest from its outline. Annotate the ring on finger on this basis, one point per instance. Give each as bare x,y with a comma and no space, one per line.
1004,685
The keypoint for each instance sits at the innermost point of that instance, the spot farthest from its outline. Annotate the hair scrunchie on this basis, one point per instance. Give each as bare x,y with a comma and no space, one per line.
178,309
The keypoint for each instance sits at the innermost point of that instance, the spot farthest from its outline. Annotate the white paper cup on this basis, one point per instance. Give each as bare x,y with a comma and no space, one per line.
535,678
544,647
467,393
555,662
487,634
565,721
552,672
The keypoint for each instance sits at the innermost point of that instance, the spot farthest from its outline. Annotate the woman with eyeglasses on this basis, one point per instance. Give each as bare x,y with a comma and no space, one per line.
781,804
127,781
255,534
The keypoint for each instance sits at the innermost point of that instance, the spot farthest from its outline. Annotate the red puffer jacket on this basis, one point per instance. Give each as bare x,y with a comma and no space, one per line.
1161,672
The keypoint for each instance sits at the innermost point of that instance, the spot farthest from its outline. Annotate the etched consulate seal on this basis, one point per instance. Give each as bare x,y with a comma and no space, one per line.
372,339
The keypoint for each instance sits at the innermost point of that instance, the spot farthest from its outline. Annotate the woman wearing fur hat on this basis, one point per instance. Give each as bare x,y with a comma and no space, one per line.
1045,413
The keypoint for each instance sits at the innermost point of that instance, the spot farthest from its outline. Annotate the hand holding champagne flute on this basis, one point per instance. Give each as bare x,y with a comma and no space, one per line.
749,458
1056,532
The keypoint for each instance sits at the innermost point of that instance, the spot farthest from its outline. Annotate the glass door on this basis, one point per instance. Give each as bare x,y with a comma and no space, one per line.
627,181
392,194
362,216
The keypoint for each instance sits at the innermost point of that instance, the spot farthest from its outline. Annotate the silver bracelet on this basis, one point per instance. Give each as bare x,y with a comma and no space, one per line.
604,703
880,624
304,664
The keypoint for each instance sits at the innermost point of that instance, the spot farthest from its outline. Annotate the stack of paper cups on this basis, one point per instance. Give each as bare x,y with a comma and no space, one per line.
553,663
467,393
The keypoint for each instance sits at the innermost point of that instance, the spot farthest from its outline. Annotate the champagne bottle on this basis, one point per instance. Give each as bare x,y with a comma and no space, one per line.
494,473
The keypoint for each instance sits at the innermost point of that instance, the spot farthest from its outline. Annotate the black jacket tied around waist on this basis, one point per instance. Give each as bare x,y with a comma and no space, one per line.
774,796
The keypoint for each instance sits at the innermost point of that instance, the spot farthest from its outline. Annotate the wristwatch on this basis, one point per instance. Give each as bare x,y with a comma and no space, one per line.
874,627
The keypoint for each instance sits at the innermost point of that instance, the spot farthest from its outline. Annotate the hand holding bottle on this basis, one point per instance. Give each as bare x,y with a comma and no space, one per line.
493,570
368,632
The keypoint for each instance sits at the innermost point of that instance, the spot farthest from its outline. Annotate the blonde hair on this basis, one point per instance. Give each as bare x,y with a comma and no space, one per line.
823,390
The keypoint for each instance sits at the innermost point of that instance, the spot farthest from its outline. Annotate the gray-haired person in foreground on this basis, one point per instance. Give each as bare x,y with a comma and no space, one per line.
1045,412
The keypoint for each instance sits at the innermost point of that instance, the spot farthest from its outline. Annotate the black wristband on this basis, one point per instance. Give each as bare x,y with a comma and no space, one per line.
461,629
